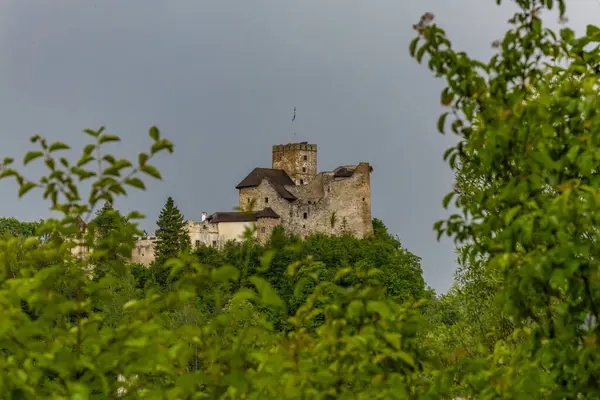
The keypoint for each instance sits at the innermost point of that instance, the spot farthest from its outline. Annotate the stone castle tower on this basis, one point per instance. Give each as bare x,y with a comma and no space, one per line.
298,160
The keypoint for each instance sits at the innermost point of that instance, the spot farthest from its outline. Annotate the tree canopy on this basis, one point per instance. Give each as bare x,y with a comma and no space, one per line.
13,227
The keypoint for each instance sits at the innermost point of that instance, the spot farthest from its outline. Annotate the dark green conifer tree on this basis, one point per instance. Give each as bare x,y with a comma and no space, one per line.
171,235
107,220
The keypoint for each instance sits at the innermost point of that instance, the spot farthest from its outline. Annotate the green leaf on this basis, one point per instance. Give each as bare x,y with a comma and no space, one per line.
447,99
558,278
267,294
448,152
456,125
139,342
442,122
92,132
82,174
108,138
131,304
341,273
112,171
89,149
536,26
355,310
58,146
567,34
176,265
395,339
151,170
32,155
237,380
31,242
510,215
447,199
8,172
142,158
407,358
421,53
161,145
266,259
242,295
562,8
225,273
26,187
413,46
136,183
135,215
154,133
379,307
84,160
593,32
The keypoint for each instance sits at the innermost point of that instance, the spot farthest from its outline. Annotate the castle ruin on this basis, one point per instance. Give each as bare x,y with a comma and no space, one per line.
291,193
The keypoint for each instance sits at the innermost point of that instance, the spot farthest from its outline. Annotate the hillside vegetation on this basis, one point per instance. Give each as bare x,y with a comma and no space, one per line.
335,317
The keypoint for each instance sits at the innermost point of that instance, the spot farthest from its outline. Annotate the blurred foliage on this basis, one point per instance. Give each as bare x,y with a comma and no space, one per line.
336,317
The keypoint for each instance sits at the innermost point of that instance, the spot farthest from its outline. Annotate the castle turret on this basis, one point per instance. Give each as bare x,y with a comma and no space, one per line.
299,160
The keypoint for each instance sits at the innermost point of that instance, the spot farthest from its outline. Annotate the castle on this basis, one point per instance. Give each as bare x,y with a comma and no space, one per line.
291,193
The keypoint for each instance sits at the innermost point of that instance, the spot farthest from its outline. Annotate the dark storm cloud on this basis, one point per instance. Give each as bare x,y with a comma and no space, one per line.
221,78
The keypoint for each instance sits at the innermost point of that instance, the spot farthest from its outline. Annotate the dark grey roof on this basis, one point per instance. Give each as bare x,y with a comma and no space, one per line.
267,212
239,216
278,177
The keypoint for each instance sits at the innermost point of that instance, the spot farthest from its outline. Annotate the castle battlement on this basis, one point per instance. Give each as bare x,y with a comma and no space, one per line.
298,160
295,147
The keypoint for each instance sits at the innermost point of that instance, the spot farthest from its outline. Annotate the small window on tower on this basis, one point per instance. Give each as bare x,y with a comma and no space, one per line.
248,200
302,181
305,158
303,169
266,199
262,229
197,243
305,215
214,243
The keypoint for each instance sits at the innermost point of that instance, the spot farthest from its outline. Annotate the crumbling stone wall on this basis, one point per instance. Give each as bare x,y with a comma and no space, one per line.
264,195
327,204
264,228
344,208
299,160
143,252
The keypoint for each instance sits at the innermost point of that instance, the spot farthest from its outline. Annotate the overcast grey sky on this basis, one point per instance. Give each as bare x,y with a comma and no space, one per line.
221,78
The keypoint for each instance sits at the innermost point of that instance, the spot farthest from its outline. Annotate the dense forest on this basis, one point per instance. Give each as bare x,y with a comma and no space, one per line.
334,317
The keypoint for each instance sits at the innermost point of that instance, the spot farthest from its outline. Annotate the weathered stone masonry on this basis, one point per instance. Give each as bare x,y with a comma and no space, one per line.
307,202
298,160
